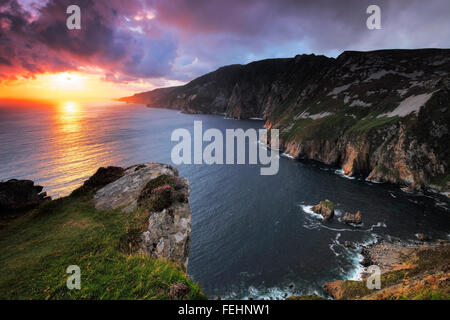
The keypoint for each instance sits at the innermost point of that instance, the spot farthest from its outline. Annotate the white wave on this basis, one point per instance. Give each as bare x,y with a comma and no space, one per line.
334,244
338,212
358,270
406,190
273,293
341,173
311,226
372,181
286,155
308,210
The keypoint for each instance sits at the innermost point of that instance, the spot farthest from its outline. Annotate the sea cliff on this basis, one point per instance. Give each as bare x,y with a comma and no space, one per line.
383,115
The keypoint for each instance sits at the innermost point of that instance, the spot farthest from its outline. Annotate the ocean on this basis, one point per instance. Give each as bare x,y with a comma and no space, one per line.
253,236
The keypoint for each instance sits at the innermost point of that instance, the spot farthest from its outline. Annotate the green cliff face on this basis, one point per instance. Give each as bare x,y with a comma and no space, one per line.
382,114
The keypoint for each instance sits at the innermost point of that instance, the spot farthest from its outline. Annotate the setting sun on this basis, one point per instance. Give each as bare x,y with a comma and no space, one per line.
70,107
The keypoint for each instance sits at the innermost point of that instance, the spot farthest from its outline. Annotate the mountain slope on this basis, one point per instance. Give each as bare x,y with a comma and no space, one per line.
381,114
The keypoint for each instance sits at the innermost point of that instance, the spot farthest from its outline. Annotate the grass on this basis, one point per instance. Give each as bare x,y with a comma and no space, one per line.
372,122
36,249
354,289
329,127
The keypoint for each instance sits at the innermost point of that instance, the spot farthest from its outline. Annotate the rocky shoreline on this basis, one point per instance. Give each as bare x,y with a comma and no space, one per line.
408,271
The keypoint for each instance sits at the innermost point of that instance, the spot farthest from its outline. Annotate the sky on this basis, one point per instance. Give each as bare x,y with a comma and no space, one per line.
131,46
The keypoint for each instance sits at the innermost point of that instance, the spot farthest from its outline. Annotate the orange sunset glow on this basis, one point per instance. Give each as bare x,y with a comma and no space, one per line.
68,86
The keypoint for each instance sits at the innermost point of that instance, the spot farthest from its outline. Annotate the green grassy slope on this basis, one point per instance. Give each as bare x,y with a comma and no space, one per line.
36,249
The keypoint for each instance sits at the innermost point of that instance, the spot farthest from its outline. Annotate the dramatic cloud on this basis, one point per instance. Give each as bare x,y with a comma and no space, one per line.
181,39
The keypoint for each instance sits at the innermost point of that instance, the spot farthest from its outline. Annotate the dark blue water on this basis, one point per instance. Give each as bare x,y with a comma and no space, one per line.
252,235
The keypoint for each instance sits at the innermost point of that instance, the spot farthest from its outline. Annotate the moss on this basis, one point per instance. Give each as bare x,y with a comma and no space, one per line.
329,127
160,193
159,182
159,200
34,255
328,204
354,289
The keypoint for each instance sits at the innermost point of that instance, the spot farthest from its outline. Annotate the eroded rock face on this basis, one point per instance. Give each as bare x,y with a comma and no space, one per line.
169,227
156,188
18,195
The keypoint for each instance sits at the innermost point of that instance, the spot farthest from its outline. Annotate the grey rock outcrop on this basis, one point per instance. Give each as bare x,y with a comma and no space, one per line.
156,188
124,192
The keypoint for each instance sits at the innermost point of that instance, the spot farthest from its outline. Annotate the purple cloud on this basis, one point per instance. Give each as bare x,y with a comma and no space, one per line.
181,39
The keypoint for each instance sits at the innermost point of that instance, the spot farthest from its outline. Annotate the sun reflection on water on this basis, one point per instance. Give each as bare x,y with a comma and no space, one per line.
69,117
70,107
75,146
62,146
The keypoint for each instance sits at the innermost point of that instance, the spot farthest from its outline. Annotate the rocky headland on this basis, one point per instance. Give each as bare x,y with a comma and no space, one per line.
383,115
156,189
128,229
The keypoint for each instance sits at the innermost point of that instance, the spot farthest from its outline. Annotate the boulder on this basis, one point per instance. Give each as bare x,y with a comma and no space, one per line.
19,195
124,192
157,189
325,208
352,218
178,291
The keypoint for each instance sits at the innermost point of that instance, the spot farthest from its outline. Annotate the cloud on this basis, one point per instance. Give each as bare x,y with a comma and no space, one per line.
106,40
181,39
